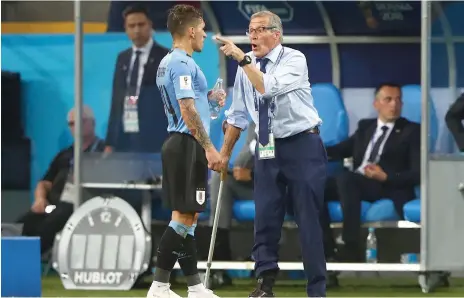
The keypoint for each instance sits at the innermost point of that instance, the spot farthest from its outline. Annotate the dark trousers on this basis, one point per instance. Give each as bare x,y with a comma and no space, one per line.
300,166
351,189
46,225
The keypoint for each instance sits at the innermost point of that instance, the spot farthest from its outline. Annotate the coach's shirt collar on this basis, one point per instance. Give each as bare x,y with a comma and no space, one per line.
274,54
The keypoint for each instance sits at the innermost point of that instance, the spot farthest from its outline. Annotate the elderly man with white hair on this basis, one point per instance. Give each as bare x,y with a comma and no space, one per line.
51,188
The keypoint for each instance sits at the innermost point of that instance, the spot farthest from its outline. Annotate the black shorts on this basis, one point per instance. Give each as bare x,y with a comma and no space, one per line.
185,174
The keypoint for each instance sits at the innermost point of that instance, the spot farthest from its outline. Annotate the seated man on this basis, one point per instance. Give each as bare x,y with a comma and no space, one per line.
386,164
454,118
49,191
238,185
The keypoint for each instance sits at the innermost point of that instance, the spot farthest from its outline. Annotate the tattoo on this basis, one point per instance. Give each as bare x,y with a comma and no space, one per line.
193,122
231,137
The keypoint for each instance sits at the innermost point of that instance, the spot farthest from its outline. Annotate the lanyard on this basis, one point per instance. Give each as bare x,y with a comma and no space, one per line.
92,149
255,97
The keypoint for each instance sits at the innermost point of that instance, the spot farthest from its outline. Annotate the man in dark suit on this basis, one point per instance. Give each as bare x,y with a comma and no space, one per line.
137,122
454,118
386,163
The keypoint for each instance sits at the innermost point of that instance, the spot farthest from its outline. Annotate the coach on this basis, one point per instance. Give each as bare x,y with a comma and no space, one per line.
272,84
137,122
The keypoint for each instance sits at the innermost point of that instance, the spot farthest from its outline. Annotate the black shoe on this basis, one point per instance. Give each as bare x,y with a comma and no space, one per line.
332,280
259,292
219,279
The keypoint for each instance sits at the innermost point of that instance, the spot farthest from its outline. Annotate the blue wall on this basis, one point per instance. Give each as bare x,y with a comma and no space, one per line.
46,64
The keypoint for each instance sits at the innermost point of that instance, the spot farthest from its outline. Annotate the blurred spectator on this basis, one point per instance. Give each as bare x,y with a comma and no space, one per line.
137,120
454,118
157,12
56,189
386,163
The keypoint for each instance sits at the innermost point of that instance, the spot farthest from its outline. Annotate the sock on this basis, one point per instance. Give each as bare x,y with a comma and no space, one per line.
188,261
168,250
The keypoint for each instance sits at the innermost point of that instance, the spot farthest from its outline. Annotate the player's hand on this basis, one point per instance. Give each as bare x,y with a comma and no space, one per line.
219,96
39,205
214,159
242,174
229,48
108,149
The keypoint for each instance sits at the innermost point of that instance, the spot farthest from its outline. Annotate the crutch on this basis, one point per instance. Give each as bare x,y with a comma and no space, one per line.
215,225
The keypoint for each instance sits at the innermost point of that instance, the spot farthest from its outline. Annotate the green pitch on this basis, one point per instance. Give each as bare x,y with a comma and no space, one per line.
349,287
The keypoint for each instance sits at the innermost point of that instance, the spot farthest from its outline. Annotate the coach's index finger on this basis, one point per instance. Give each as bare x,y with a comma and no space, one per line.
221,39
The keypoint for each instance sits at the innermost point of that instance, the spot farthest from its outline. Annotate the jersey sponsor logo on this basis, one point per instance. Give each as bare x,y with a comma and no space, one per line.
185,82
201,194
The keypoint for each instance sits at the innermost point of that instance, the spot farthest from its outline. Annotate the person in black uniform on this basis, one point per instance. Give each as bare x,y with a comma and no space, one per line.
454,118
137,122
47,222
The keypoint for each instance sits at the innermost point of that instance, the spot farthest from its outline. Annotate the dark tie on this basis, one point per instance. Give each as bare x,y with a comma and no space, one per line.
376,147
135,73
263,110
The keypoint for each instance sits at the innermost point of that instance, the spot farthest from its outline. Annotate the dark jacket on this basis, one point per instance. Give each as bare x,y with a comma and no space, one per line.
152,119
400,157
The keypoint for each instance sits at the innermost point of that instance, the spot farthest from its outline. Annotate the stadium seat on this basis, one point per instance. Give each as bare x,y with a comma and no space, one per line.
412,111
382,210
412,210
244,210
335,124
336,213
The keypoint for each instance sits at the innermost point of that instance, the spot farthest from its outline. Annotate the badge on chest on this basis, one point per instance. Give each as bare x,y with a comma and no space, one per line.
131,116
267,151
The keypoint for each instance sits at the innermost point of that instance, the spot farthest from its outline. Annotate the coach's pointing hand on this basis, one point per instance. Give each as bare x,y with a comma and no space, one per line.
214,159
230,49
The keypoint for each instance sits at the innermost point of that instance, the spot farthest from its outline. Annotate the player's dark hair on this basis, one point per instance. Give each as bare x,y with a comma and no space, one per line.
135,9
386,84
181,17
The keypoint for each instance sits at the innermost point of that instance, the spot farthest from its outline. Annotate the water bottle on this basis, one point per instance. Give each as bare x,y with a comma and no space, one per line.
371,247
214,107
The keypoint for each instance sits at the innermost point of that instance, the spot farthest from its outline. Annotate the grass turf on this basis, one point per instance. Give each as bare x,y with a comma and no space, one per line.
349,287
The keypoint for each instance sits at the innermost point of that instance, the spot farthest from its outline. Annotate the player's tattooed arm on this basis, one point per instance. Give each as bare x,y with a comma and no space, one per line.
193,121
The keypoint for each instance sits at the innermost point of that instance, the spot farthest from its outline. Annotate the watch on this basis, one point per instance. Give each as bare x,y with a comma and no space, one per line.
246,60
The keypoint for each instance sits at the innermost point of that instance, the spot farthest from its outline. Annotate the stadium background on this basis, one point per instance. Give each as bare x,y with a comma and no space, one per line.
37,42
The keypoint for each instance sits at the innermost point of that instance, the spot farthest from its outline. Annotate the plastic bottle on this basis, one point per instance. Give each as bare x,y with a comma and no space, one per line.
371,247
214,107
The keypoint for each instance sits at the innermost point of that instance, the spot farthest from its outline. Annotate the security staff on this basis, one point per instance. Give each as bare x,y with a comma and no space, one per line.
272,84
137,122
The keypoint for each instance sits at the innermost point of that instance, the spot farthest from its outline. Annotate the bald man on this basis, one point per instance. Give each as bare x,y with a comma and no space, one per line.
41,221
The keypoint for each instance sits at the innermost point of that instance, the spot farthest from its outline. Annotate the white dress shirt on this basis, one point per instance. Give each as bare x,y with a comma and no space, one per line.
287,82
375,137
144,54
